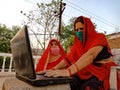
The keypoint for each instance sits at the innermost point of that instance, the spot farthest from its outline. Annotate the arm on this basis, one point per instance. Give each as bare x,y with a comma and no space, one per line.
85,59
46,63
82,62
61,65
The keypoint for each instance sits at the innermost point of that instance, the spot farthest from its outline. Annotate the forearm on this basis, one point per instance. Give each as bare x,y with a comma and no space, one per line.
61,65
86,59
80,64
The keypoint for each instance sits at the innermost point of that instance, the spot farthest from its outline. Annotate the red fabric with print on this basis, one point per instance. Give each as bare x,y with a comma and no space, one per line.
42,60
90,39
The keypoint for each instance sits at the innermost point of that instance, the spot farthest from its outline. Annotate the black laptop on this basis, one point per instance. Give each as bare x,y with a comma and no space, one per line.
23,62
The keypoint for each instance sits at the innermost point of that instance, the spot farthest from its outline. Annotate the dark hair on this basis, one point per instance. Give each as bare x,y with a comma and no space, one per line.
80,19
52,41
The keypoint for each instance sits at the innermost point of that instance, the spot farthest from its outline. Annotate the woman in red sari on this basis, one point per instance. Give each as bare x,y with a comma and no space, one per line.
53,54
89,59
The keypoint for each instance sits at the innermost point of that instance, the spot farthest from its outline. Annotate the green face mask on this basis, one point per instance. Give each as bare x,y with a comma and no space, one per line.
79,35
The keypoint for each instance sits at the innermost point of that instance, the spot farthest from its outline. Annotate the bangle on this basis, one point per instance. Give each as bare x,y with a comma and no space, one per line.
76,67
69,72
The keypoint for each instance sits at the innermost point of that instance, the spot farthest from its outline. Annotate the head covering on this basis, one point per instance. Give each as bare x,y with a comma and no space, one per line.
43,59
91,38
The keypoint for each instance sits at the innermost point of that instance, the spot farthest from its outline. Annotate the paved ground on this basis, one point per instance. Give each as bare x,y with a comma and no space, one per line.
4,76
1,82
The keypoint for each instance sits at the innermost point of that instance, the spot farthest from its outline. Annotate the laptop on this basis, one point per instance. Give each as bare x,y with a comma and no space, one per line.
23,62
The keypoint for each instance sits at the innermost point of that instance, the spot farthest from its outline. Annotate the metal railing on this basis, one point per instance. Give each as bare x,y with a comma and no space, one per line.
4,56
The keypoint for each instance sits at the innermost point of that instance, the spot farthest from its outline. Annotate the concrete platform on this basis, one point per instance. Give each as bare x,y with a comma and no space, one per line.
4,76
15,84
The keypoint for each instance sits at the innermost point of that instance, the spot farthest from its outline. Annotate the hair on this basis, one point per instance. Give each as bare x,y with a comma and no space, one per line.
53,41
79,19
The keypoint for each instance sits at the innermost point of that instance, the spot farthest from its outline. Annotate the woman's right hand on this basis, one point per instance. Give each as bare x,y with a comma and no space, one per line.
43,72
57,73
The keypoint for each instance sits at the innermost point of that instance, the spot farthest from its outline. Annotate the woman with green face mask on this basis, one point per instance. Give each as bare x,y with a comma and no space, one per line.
89,60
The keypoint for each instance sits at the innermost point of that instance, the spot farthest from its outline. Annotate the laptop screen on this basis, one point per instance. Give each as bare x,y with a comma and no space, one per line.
22,55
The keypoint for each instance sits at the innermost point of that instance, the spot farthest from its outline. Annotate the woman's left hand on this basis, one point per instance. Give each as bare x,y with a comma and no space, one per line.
57,73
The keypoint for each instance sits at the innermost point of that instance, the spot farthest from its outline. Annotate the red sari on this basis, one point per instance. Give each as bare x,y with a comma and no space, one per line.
90,39
43,60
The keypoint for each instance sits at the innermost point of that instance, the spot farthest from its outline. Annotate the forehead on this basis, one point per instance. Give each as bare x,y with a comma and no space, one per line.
78,25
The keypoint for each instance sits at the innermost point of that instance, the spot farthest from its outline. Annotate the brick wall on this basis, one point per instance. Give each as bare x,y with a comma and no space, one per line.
114,43
114,40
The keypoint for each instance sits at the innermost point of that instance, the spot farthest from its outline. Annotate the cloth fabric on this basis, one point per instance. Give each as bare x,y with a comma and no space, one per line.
91,38
45,56
90,84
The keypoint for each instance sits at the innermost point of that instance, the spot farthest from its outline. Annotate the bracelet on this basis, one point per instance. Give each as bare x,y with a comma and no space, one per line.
76,67
69,72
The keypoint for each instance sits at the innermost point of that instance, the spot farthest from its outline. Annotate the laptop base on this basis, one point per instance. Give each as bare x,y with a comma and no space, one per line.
44,81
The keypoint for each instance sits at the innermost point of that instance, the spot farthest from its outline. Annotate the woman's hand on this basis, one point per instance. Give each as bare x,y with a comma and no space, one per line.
57,73
43,72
